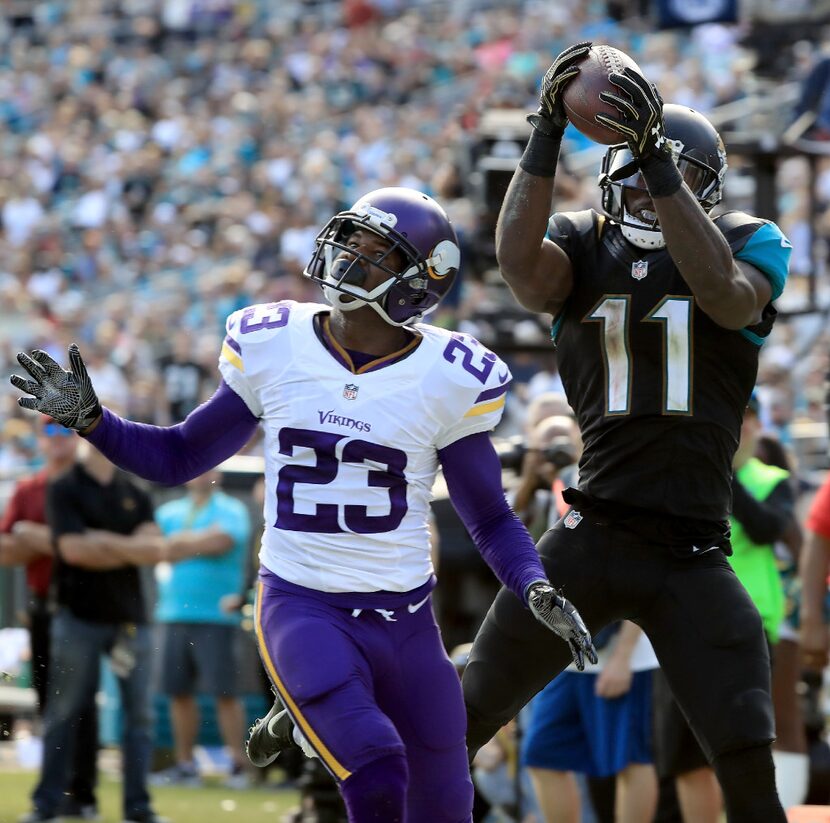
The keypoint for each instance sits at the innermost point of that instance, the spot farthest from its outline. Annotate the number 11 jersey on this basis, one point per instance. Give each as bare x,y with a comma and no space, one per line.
351,456
658,387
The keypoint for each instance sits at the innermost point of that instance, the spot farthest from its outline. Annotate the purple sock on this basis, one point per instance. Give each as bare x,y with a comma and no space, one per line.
376,793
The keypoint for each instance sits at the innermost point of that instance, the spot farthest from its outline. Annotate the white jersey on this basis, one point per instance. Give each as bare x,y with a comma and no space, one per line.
350,459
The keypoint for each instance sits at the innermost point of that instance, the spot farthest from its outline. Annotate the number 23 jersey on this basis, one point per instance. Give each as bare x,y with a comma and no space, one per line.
351,457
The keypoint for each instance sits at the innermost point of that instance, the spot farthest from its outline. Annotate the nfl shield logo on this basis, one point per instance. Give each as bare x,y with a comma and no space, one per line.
573,519
350,391
639,269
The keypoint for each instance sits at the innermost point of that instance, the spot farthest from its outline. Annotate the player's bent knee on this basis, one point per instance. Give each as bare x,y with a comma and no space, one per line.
377,790
751,722
488,693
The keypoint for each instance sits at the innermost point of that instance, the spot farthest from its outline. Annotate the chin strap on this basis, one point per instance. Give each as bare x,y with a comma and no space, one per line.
334,296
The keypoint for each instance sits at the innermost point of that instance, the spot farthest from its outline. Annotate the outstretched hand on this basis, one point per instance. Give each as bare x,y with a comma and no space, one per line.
562,618
66,396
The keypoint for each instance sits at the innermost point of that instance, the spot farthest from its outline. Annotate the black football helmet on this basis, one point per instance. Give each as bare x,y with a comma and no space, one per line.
416,227
700,155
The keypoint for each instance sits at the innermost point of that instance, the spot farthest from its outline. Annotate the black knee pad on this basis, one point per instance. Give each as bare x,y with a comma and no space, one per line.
749,722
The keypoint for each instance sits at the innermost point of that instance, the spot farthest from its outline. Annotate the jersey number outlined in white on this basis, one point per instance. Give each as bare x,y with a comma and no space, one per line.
674,313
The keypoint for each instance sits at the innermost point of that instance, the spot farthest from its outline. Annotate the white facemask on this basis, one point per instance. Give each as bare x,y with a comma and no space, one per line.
643,238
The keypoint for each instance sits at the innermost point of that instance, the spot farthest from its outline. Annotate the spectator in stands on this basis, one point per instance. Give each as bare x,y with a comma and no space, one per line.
103,530
598,723
814,569
198,643
117,139
25,539
545,405
812,111
184,378
548,467
186,190
762,514
790,747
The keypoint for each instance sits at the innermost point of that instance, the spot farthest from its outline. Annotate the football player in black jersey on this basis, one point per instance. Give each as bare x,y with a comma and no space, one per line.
659,310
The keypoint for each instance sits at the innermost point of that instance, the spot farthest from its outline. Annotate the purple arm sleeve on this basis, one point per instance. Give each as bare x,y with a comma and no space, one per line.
473,474
211,433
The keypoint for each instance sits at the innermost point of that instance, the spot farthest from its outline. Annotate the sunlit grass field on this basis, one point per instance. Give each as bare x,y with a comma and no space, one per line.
211,804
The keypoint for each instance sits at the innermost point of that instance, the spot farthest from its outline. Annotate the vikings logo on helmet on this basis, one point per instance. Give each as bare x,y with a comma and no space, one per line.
444,260
417,228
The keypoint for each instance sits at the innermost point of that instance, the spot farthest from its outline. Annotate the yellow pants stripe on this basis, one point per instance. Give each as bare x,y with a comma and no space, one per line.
337,768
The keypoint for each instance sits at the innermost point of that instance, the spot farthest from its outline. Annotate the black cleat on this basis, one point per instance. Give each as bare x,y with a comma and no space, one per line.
269,736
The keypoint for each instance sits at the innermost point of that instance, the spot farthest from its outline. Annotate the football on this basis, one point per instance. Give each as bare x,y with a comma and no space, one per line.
580,96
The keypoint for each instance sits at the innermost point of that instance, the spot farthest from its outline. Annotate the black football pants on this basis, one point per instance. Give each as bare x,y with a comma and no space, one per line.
705,630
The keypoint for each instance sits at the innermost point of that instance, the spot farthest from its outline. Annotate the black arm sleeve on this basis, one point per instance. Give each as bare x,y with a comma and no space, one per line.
765,521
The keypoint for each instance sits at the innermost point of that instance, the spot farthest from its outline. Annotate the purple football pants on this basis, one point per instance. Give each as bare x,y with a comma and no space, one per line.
362,684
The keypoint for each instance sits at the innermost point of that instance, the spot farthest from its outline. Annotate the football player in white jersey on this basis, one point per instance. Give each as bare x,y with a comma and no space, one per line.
360,403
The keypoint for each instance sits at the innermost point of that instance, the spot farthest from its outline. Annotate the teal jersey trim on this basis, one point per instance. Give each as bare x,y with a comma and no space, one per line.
769,250
752,337
555,326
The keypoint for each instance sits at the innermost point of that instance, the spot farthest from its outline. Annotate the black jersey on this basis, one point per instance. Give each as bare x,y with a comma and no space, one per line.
659,389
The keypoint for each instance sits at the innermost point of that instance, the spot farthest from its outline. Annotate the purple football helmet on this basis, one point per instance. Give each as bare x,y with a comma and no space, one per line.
417,228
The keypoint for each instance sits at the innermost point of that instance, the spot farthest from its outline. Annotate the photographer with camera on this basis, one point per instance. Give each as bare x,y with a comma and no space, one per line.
546,465
576,712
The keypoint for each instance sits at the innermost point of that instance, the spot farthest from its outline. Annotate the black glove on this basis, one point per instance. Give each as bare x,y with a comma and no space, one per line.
551,118
641,115
66,396
563,619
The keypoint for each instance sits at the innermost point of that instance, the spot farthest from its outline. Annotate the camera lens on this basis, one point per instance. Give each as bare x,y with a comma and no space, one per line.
560,452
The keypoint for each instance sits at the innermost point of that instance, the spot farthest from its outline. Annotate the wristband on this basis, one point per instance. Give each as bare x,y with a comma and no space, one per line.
662,176
541,154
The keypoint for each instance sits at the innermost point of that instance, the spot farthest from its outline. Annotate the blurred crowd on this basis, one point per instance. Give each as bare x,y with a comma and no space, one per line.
164,162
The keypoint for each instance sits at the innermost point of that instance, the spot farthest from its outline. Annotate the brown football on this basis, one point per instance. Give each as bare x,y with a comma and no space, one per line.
581,95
